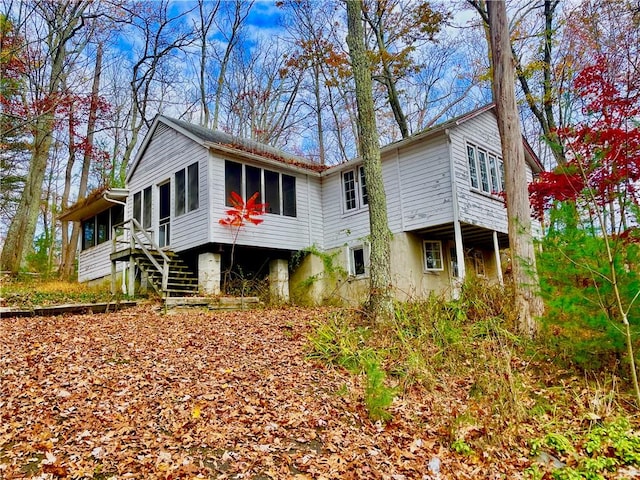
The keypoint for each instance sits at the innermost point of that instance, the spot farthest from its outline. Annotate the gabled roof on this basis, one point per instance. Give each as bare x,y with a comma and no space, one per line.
225,142
441,129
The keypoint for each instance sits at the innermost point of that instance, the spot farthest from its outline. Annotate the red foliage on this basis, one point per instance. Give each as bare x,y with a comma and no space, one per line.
242,212
603,151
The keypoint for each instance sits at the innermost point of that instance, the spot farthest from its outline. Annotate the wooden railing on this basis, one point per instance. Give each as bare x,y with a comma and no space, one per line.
139,239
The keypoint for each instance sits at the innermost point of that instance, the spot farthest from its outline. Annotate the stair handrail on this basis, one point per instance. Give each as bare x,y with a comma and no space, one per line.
164,269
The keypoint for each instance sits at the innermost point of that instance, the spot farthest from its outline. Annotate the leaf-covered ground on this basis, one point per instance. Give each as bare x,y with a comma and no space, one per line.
138,394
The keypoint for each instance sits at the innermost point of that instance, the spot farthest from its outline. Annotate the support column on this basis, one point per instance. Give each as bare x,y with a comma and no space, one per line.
457,232
131,284
496,252
209,269
279,280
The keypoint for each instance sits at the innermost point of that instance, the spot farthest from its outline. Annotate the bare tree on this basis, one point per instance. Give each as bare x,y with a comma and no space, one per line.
380,298
161,36
528,303
70,243
62,23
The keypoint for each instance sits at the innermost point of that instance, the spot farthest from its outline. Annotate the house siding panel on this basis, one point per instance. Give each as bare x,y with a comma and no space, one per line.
426,184
95,263
477,208
167,152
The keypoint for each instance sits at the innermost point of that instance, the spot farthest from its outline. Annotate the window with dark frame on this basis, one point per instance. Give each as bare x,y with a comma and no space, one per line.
146,210
181,190
193,192
232,180
272,191
289,195
187,189
277,190
98,229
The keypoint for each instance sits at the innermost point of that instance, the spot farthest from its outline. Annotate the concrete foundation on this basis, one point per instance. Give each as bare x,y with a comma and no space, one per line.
209,270
279,280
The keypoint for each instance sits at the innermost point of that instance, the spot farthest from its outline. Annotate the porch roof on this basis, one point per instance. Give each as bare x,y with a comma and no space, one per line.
94,203
471,234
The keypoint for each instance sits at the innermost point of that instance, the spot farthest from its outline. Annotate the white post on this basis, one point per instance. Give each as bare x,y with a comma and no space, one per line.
457,231
279,280
496,251
209,269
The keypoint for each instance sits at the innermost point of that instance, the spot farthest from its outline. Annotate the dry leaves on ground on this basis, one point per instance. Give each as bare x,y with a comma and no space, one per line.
194,394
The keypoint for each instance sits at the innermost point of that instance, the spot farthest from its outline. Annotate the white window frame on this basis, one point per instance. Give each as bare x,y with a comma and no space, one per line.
481,164
361,195
352,263
424,255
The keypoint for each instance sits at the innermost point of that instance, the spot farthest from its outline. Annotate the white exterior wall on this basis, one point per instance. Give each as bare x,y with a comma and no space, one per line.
95,263
167,152
343,227
476,207
425,184
276,231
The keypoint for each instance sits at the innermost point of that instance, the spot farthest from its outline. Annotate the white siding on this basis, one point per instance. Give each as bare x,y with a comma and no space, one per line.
95,262
425,181
167,152
477,208
276,231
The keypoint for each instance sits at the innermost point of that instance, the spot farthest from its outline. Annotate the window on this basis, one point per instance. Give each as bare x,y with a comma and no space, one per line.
253,182
88,233
272,191
137,207
432,255
277,190
97,229
363,188
478,263
102,222
180,192
486,170
473,171
354,188
232,180
358,260
146,210
288,195
187,189
193,191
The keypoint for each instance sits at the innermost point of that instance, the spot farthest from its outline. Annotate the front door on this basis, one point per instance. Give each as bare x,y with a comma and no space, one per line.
164,213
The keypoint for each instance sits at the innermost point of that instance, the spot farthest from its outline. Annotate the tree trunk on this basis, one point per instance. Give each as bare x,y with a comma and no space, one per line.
380,305
69,248
529,305
20,234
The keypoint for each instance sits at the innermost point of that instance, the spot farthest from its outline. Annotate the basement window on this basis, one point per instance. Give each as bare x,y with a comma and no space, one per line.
358,260
432,255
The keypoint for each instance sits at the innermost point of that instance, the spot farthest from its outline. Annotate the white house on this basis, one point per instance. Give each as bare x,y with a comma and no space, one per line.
442,185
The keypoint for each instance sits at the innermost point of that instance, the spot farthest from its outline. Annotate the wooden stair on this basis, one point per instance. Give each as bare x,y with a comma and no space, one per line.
181,281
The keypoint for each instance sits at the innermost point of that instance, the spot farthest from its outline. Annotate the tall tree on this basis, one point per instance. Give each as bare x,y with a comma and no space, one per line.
70,243
380,299
62,23
528,303
535,75
205,19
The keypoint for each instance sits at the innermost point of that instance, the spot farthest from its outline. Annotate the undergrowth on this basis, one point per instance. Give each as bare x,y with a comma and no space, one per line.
507,391
33,293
